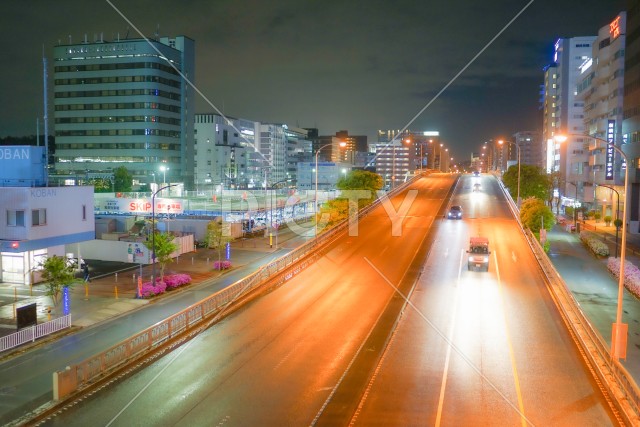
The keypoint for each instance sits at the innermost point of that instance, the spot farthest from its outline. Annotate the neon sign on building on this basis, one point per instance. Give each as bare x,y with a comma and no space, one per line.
611,130
614,28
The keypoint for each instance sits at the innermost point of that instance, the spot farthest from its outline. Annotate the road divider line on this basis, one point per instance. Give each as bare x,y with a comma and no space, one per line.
514,368
445,371
463,356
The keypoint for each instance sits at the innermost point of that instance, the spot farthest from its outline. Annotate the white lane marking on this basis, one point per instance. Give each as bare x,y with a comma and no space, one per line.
514,368
445,372
182,349
514,257
446,252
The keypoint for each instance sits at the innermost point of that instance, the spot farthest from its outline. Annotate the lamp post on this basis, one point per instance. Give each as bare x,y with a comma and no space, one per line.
273,189
574,204
619,329
315,208
518,149
617,211
433,155
153,232
164,170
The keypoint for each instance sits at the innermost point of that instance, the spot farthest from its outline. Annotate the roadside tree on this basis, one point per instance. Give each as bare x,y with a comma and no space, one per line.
122,180
534,214
534,182
217,237
361,180
57,274
164,247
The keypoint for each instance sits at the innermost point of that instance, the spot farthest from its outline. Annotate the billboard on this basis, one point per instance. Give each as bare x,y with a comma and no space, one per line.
141,206
608,167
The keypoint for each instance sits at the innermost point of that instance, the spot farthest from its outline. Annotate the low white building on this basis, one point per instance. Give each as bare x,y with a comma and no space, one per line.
36,220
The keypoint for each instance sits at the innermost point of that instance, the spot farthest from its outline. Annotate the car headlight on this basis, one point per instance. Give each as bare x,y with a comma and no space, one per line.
486,259
470,259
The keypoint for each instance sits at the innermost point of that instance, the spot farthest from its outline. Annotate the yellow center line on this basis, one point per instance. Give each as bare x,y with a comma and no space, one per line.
514,368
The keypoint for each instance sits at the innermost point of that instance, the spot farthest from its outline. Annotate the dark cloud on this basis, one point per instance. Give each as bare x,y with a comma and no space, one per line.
333,64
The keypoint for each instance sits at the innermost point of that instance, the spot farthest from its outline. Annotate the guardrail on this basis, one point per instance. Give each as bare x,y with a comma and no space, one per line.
34,332
82,374
619,383
617,379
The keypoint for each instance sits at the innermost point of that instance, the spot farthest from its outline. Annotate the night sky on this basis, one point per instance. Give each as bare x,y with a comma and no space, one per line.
354,65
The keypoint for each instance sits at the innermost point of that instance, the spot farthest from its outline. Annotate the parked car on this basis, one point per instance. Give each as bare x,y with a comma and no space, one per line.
455,212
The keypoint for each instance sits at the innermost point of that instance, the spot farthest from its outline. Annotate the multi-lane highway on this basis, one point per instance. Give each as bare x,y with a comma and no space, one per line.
470,348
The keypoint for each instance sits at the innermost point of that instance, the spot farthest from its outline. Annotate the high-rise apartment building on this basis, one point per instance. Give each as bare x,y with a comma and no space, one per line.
549,106
125,103
530,144
393,162
600,88
223,147
631,113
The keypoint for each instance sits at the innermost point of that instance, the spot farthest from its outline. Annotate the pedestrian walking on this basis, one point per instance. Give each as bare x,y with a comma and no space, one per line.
85,269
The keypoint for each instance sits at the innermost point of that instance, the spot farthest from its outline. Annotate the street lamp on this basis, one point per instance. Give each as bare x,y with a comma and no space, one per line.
619,329
518,147
153,232
315,208
273,189
574,204
617,211
433,155
164,170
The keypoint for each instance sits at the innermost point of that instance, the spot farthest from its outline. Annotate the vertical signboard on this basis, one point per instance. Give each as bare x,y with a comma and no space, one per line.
611,131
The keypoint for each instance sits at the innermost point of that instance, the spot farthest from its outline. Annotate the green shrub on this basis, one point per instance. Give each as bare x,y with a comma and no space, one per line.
596,246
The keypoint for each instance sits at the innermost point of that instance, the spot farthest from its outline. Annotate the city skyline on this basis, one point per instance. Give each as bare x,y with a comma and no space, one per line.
334,67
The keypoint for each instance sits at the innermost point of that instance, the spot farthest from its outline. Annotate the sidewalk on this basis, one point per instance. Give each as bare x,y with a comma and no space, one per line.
595,288
112,294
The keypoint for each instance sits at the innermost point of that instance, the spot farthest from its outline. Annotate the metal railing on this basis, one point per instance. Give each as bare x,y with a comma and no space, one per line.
616,378
34,332
95,367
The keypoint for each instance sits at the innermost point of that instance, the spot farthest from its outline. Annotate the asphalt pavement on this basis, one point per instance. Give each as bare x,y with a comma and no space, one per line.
112,290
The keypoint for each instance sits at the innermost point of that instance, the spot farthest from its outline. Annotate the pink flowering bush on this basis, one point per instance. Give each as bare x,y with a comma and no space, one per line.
597,246
631,274
176,280
222,265
170,282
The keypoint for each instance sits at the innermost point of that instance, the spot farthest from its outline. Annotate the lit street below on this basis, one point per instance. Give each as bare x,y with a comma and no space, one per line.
313,351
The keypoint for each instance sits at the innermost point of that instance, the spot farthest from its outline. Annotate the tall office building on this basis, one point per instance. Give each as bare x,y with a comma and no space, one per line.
122,103
564,113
